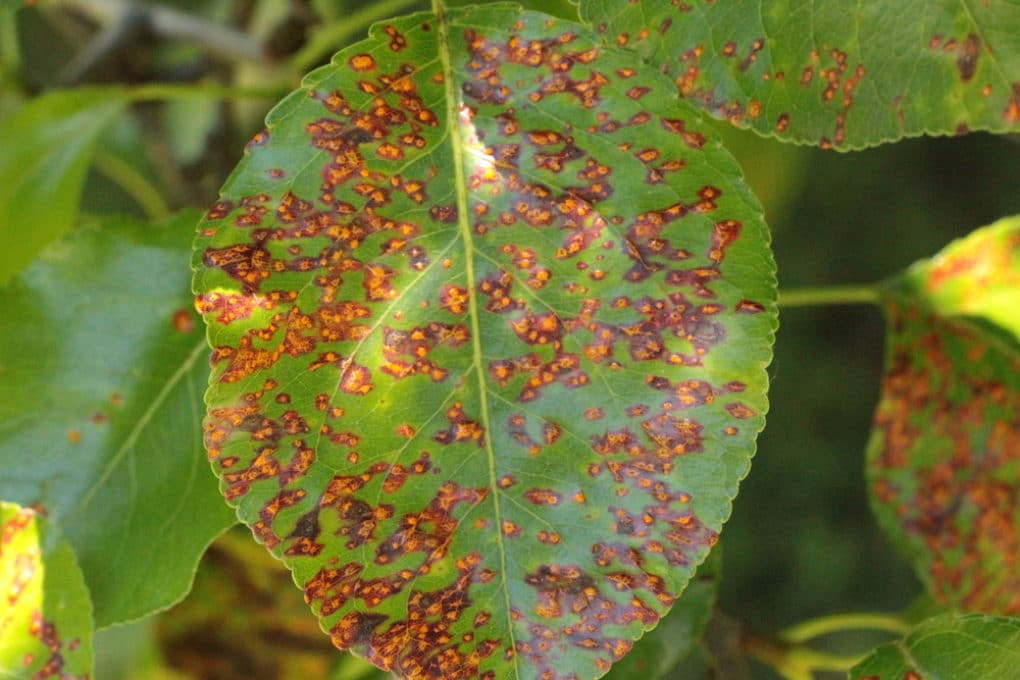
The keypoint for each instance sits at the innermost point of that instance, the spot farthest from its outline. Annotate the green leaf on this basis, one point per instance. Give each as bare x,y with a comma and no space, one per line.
949,647
942,464
46,619
490,311
45,150
102,364
838,74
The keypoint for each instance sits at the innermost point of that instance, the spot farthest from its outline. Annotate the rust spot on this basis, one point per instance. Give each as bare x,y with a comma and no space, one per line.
362,62
1012,111
967,57
183,321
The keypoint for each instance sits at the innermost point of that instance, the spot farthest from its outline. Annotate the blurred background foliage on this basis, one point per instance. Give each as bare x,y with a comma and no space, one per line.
802,541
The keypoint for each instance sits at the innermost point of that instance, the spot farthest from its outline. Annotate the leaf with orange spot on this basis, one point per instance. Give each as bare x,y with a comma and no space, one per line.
46,615
658,653
944,455
490,310
840,74
948,647
102,364
244,619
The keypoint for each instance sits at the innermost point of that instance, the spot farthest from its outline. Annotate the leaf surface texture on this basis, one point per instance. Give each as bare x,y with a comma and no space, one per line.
490,310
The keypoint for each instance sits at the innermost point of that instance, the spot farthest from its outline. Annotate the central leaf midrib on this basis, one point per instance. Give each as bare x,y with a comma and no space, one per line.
460,180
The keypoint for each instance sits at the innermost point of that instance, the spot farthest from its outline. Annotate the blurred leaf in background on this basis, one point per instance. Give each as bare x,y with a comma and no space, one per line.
103,365
46,619
943,458
47,150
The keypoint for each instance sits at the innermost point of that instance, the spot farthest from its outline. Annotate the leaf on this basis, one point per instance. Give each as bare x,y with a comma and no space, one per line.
838,74
942,460
46,619
948,647
102,361
490,311
244,619
677,635
46,150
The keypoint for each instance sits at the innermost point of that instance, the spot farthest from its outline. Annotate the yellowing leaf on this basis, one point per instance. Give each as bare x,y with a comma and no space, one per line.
46,619
944,457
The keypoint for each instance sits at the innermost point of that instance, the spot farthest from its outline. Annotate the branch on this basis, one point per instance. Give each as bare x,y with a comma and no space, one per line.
219,39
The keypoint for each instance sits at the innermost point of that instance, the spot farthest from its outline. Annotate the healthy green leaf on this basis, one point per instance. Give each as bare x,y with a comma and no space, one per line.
949,647
838,74
46,618
102,366
490,311
45,150
942,461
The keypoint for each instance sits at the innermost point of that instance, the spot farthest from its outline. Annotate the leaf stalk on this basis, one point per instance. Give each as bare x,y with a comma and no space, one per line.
829,295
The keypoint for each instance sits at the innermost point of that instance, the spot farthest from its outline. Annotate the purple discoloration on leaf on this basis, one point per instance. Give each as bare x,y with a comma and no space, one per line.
476,345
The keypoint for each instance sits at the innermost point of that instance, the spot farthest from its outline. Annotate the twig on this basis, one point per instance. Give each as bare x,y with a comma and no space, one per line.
219,39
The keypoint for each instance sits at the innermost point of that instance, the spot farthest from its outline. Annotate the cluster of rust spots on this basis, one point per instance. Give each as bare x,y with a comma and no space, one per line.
26,564
423,643
960,505
462,428
25,568
839,84
968,51
573,598
689,81
46,633
406,353
489,57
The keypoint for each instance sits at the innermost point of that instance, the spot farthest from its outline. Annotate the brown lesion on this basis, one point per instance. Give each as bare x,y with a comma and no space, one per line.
967,56
462,428
1011,114
406,352
249,264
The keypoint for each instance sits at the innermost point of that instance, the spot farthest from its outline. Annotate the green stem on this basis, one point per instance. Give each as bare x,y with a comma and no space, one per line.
838,623
335,35
134,184
164,91
829,295
797,661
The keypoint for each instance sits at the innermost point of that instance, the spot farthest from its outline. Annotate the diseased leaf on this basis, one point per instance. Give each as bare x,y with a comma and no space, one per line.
837,74
102,366
244,619
490,311
661,650
46,618
45,151
948,647
943,461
